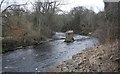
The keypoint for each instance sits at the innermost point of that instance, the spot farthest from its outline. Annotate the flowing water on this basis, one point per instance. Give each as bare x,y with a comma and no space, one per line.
46,54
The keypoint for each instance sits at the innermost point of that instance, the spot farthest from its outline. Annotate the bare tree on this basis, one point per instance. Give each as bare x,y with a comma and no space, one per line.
112,13
1,4
46,10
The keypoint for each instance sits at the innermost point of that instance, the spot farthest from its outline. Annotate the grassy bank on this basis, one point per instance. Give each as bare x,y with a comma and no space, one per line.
12,43
103,58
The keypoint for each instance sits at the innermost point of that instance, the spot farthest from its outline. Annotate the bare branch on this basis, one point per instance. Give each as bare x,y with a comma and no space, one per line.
13,5
1,4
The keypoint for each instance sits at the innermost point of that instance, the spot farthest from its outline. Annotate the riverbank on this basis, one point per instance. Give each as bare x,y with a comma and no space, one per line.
103,58
11,44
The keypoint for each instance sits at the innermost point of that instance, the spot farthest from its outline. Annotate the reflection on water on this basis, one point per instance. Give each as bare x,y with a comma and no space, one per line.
45,55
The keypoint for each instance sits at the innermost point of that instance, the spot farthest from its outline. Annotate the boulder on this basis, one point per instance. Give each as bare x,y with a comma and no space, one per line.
69,36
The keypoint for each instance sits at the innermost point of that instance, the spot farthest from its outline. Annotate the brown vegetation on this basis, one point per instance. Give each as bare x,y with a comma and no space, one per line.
103,58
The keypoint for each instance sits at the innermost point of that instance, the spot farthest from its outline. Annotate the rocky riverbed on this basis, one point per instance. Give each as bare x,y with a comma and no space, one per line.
103,58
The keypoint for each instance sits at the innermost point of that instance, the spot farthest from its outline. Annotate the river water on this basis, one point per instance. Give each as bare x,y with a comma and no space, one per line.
45,55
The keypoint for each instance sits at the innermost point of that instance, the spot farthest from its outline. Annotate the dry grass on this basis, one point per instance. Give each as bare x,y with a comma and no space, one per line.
105,58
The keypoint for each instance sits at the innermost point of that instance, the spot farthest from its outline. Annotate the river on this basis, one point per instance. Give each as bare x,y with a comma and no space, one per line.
46,54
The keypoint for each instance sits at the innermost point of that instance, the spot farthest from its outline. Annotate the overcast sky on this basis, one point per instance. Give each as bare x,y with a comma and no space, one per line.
96,5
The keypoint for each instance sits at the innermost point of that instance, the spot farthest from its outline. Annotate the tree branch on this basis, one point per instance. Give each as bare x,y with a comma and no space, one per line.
11,6
1,4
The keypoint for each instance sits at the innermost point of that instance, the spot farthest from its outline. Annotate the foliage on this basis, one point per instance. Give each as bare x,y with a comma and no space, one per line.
81,20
